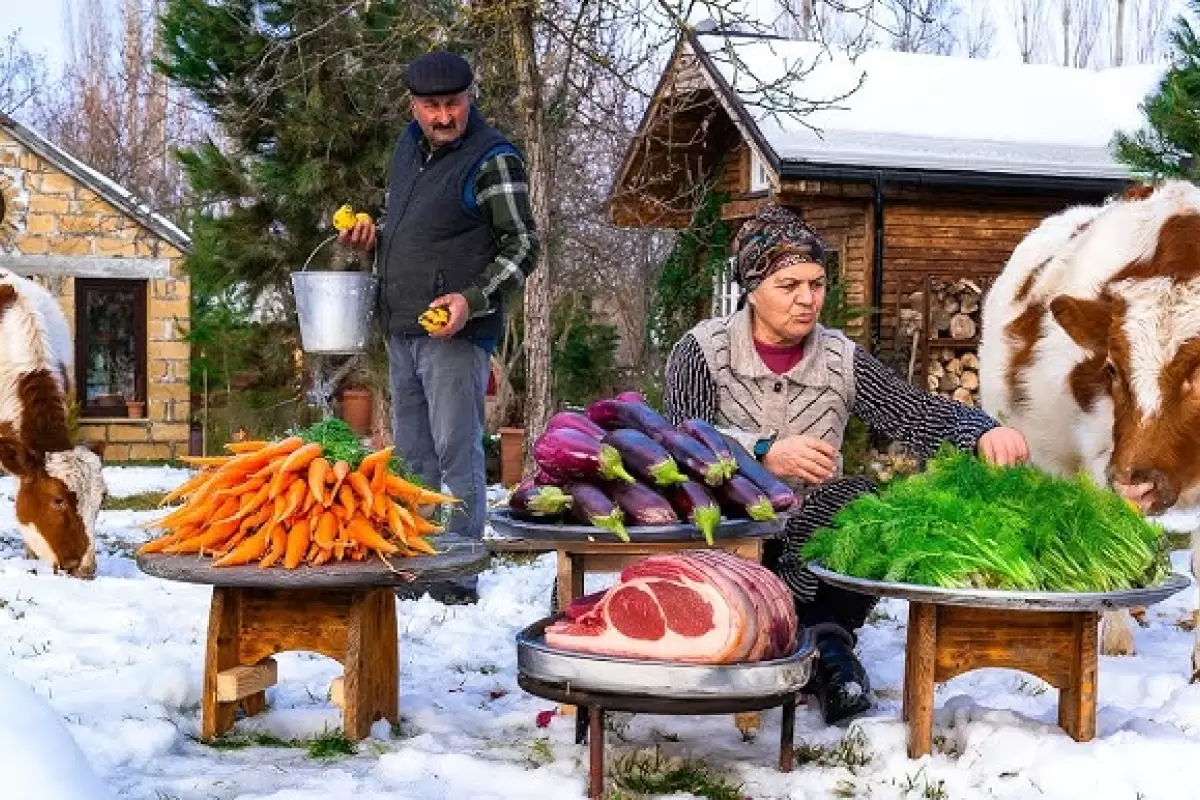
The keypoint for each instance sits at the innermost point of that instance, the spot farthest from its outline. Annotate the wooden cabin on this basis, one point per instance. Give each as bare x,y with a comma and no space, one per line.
921,172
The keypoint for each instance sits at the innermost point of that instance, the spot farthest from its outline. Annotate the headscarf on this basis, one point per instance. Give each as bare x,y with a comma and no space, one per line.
772,239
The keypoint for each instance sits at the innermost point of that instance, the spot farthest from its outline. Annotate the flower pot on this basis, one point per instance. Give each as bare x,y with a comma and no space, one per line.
512,455
357,410
136,409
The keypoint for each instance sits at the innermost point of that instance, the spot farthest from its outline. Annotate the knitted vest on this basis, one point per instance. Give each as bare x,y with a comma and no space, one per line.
813,399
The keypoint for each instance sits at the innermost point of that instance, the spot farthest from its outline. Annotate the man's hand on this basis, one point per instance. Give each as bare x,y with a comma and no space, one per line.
360,237
456,304
812,460
1003,447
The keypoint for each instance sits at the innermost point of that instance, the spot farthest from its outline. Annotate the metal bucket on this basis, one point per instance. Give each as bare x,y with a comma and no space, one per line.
335,308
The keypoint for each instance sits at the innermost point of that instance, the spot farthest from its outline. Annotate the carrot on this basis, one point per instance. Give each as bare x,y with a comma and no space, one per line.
249,487
297,544
359,483
346,498
296,460
326,531
156,545
373,461
249,550
205,539
187,487
318,471
414,495
232,542
340,470
419,544
278,536
205,461
321,557
362,532
295,496
423,526
246,447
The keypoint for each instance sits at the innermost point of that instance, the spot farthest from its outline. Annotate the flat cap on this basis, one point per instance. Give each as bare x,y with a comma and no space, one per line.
439,72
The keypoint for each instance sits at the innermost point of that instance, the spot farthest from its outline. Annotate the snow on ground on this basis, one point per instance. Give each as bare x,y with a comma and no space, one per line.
118,660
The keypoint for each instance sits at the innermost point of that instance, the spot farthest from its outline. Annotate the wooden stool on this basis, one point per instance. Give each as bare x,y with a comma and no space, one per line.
944,641
344,610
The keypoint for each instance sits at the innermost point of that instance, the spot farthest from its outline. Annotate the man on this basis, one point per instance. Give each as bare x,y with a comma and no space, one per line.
457,233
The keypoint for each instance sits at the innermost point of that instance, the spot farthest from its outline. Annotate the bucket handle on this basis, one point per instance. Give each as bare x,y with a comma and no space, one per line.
374,257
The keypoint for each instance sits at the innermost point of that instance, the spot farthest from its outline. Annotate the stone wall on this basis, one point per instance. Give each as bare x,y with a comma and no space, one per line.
55,228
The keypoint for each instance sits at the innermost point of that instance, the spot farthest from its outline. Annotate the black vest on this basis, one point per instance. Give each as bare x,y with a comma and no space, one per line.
434,240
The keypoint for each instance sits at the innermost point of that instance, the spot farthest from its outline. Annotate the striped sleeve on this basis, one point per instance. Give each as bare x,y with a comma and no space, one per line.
692,392
893,406
502,194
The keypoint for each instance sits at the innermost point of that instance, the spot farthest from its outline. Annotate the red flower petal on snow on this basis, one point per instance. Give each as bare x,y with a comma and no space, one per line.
543,718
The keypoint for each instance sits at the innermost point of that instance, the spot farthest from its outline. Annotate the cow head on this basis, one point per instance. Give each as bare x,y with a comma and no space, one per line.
58,499
1142,339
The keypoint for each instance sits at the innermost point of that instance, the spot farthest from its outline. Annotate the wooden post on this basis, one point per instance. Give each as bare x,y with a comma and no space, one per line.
923,641
596,753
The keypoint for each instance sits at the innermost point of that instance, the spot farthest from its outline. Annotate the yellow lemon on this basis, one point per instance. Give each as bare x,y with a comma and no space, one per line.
434,319
343,218
363,216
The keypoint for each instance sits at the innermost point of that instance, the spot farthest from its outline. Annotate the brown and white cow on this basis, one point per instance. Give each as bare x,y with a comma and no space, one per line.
1091,348
59,487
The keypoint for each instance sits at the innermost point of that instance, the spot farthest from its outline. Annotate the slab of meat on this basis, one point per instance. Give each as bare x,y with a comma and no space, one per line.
697,606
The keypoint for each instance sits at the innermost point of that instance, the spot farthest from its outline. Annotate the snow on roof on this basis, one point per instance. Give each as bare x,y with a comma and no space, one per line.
920,111
101,184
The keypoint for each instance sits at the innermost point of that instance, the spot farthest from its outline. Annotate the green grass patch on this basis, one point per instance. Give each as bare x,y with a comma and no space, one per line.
329,745
642,774
240,741
143,501
852,751
332,744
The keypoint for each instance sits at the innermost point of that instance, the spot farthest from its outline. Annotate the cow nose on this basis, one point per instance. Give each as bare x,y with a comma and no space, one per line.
70,565
1162,494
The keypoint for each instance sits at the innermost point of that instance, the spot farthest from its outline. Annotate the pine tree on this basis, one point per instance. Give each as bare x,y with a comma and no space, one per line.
308,100
1167,145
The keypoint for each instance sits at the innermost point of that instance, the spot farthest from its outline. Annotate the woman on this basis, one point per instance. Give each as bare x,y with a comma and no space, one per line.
785,387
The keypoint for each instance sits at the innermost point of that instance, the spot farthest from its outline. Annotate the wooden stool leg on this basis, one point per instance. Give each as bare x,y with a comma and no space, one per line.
372,679
1077,702
581,724
909,652
596,753
255,703
787,736
919,680
220,653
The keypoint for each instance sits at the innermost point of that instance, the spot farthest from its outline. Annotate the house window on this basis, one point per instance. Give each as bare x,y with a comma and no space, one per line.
726,291
110,345
760,174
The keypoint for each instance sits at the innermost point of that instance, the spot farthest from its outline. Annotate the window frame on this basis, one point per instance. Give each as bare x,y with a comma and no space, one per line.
84,287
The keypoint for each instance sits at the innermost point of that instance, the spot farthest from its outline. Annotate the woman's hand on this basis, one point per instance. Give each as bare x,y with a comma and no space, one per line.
1003,447
812,460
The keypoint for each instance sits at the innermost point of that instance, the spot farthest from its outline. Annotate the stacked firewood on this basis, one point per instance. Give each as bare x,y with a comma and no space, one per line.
954,314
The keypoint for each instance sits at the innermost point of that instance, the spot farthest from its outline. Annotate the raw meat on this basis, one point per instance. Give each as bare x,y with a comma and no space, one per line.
698,606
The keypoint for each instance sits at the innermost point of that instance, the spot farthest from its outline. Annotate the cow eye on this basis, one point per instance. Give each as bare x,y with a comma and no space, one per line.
1110,369
58,503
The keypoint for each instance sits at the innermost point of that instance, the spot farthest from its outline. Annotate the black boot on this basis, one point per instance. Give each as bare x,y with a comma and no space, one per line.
839,682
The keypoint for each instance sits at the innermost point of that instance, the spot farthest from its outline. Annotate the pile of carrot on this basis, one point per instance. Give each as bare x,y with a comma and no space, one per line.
283,502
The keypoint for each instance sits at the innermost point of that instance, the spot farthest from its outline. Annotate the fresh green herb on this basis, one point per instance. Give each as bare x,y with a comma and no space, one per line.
963,523
340,443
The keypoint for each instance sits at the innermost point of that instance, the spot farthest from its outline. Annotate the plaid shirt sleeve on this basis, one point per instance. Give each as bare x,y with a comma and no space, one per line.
502,192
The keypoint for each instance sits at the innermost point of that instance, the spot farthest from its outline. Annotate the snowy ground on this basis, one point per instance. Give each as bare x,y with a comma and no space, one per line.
117,661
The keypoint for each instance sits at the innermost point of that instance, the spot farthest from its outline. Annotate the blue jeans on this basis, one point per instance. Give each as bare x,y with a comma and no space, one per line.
438,388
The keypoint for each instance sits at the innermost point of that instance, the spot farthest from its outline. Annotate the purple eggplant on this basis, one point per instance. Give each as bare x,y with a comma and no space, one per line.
695,504
543,478
616,414
641,504
644,457
696,459
535,503
631,397
781,496
710,437
591,506
575,421
739,497
567,453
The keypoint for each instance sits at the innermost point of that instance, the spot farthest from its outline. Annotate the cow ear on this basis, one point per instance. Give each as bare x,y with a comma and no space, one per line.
1085,321
17,458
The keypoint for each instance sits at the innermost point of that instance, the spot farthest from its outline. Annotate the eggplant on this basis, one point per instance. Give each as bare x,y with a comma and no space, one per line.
645,458
575,421
591,506
535,503
696,459
616,414
696,504
567,453
739,497
631,397
641,504
543,478
781,496
707,434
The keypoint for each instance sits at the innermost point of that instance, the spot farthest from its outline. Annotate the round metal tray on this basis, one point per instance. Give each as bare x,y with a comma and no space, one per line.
662,679
505,524
458,558
1001,598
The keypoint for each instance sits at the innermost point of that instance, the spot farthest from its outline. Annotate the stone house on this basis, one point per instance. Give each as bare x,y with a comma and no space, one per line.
117,268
